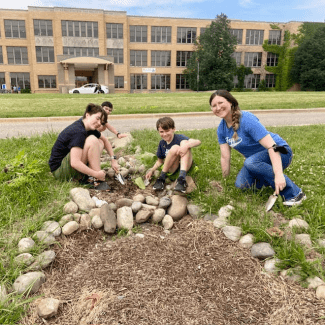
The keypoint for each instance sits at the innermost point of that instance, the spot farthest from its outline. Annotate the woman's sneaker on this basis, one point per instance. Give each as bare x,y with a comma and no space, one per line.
159,185
296,200
181,185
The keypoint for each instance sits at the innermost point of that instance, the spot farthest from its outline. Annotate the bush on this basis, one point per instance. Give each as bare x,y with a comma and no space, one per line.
25,91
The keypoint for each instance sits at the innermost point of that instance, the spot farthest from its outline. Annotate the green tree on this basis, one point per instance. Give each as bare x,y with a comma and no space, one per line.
241,72
306,31
211,65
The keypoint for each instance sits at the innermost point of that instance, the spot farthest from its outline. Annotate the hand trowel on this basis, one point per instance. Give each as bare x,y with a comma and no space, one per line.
120,178
270,202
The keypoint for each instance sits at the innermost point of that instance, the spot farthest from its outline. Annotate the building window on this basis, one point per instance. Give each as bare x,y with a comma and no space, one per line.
275,37
272,59
46,82
239,35
186,35
2,79
160,81
1,56
44,53
138,34
17,55
138,81
138,58
15,28
114,31
254,37
182,57
160,58
119,81
252,81
161,34
19,79
237,57
81,51
43,27
181,82
253,59
79,28
117,54
202,30
270,80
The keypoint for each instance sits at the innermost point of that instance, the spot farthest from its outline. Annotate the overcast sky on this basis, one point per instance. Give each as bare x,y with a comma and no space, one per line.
252,10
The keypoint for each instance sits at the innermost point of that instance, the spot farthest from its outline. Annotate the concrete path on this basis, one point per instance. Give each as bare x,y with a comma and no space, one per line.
184,121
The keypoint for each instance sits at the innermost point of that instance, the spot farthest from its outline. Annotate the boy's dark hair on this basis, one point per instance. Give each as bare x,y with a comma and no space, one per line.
108,104
93,109
165,123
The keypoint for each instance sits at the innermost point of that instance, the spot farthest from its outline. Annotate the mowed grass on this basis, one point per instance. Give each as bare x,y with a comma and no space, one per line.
45,105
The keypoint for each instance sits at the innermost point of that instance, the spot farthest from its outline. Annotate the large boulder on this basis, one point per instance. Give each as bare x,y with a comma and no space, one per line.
125,218
178,208
82,198
108,218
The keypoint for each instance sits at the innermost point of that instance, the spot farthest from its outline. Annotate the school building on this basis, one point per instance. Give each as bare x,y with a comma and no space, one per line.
54,49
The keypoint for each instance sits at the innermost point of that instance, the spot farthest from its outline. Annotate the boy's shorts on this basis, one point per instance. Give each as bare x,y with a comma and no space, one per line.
173,176
65,172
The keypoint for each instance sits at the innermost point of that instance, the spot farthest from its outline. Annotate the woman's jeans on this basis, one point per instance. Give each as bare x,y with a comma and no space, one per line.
257,171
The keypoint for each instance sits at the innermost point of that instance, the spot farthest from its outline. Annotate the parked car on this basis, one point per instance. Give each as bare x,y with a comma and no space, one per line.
92,88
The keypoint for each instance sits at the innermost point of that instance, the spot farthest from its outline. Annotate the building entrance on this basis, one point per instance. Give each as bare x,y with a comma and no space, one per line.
83,77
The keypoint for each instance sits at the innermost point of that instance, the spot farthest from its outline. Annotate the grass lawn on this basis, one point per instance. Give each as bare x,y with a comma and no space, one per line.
30,195
44,105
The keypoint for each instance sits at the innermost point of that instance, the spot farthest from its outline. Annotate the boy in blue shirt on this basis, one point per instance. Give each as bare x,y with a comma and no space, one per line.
174,153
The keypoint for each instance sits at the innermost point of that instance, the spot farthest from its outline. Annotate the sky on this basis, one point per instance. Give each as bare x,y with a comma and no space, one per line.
250,10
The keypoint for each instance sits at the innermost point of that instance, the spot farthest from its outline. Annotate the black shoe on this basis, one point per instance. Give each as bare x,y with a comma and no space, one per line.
86,180
296,200
181,185
101,186
159,185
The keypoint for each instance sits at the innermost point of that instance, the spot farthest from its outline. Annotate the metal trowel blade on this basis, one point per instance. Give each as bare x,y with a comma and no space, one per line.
120,178
270,202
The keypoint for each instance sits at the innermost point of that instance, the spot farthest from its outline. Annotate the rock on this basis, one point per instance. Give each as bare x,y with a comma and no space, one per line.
139,235
299,223
25,245
108,218
85,222
121,161
110,173
142,169
52,227
124,172
70,228
315,282
76,217
45,237
43,260
210,217
247,241
123,203
320,292
225,211
139,198
24,259
290,275
99,203
143,215
33,279
178,208
82,198
216,185
190,185
156,173
112,206
269,265
321,242
65,219
194,210
231,232
94,212
48,307
303,239
132,170
168,222
165,202
97,222
262,251
70,207
148,207
125,218
220,223
150,200
136,206
3,294
158,215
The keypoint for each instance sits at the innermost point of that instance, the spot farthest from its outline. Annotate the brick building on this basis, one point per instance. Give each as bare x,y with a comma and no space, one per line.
55,49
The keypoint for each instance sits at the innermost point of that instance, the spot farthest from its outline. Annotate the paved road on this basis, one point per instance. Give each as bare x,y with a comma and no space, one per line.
188,121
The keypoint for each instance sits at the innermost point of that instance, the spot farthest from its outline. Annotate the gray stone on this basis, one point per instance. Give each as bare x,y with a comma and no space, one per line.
165,202
167,222
43,260
262,251
142,169
70,207
32,280
315,282
97,222
108,218
3,293
125,218
269,265
82,198
94,212
45,237
158,215
139,235
225,211
290,275
25,245
220,223
48,307
24,259
231,232
139,198
320,292
303,239
178,208
112,206
124,172
123,203
136,206
65,219
299,223
121,161
210,217
52,227
85,222
148,207
70,228
194,210
246,241
111,173
76,217
143,215
150,200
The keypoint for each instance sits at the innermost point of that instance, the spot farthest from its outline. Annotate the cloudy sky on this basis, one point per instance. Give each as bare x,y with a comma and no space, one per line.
256,10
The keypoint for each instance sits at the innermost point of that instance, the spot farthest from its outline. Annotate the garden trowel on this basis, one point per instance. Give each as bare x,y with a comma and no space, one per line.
270,202
120,178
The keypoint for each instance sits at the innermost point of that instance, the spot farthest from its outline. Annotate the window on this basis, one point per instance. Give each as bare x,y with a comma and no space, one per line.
15,28
17,55
119,81
237,57
202,30
138,81
182,57
270,80
160,58
254,37
43,27
275,37
79,28
81,51
20,79
161,34
138,58
252,81
181,82
117,54
46,82
239,35
1,56
186,35
138,34
114,31
253,59
44,53
160,81
272,59
2,79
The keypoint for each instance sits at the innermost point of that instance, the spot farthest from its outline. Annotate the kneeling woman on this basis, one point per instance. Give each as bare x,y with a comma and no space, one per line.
266,153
